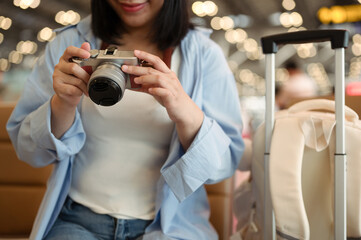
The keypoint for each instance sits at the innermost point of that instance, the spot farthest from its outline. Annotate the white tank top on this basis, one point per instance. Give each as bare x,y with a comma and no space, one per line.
117,170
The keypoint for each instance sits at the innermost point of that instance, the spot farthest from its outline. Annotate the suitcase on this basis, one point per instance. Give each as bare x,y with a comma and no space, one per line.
339,41
299,159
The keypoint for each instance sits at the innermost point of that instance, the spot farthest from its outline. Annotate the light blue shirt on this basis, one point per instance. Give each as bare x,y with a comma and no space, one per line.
182,209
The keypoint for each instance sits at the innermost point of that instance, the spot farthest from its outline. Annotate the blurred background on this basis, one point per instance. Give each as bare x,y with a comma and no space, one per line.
26,26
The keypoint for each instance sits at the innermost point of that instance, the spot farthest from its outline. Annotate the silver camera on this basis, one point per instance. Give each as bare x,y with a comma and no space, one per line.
107,81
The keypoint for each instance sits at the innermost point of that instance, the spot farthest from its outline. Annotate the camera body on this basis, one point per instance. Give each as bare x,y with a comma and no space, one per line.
107,81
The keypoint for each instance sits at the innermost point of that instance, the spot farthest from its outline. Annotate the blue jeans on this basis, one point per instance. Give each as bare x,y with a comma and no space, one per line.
79,222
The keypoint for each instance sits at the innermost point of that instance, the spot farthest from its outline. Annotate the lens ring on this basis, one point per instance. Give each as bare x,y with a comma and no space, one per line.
107,84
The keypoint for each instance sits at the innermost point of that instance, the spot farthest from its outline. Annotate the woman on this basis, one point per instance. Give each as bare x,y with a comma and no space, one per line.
134,170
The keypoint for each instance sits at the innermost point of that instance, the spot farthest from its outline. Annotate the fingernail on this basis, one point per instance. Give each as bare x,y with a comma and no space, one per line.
136,80
136,51
125,67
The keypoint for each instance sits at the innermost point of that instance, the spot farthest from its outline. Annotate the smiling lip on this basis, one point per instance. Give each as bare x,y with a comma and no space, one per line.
133,7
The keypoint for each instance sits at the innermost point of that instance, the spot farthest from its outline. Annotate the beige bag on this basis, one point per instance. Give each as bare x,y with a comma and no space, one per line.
301,173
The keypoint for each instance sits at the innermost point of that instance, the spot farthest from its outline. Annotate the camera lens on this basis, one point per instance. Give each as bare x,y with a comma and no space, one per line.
107,84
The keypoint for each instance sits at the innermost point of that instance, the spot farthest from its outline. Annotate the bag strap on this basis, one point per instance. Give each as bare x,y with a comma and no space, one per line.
322,104
285,180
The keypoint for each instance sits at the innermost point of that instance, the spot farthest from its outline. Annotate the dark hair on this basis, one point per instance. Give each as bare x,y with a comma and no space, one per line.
289,65
171,25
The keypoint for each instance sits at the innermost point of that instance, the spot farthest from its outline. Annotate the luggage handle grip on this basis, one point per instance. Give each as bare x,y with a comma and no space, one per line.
322,104
338,38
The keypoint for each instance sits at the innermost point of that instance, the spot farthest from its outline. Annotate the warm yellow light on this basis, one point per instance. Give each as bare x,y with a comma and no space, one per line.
210,8
58,16
240,35
226,23
216,23
66,18
197,8
324,15
70,16
4,65
15,57
235,35
5,23
17,3
306,50
288,4
229,36
246,76
255,55
26,47
296,19
24,4
46,34
250,45
353,13
338,14
356,38
356,49
285,20
282,75
35,4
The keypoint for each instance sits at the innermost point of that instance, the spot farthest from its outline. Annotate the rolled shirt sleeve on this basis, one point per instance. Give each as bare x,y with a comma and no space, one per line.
218,146
29,126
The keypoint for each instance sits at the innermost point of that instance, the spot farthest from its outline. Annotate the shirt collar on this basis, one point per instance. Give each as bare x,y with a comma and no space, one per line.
84,28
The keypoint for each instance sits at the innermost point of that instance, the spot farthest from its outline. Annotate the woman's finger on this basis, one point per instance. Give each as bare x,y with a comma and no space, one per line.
139,71
65,79
76,52
154,80
73,69
85,46
155,61
67,90
79,83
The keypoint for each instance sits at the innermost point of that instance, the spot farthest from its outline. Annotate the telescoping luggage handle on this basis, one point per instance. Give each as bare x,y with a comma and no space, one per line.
339,41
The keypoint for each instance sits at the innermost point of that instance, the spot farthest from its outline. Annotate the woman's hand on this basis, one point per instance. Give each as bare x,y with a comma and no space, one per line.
69,79
69,83
163,84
